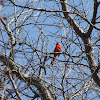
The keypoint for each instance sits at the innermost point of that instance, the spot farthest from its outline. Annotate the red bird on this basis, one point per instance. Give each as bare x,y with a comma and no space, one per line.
57,49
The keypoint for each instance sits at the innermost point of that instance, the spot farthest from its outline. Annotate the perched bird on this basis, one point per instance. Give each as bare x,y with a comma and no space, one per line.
57,49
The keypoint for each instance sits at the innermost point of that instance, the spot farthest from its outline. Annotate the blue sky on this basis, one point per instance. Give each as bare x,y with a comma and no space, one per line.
51,34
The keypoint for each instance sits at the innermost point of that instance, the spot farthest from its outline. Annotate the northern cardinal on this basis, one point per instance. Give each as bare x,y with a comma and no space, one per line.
57,49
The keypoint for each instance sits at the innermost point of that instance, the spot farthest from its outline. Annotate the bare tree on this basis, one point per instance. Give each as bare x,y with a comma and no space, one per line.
28,34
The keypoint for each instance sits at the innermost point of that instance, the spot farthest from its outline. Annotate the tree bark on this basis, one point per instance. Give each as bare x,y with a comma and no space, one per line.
36,81
85,37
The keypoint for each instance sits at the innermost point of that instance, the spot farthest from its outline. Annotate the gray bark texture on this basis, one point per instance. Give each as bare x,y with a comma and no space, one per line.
85,37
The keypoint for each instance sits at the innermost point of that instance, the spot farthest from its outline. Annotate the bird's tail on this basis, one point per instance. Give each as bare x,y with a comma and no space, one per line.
52,60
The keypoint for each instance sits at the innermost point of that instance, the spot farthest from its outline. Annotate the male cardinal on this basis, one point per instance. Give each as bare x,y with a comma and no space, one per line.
57,49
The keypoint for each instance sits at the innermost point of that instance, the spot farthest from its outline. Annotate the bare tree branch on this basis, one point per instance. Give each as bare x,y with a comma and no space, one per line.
17,93
85,37
70,20
96,4
91,60
32,28
64,11
44,93
11,36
